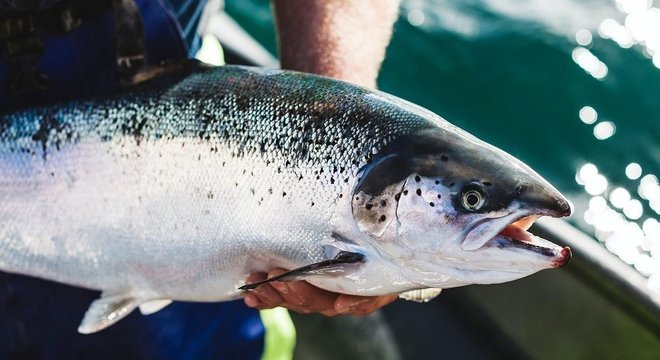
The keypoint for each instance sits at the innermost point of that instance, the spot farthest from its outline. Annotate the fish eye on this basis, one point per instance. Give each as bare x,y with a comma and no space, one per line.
473,197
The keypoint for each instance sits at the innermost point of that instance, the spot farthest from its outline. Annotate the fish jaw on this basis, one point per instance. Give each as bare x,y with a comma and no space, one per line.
501,259
537,252
509,252
508,234
515,235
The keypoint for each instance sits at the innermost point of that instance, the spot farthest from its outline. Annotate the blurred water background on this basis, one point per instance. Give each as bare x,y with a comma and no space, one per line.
571,87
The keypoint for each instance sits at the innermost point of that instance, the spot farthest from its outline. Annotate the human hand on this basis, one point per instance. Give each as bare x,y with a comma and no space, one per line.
303,297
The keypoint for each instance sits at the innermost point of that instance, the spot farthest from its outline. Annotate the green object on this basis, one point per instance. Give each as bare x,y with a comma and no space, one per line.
280,338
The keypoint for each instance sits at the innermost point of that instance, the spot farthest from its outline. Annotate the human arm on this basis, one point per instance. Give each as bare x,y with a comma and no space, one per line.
342,39
345,40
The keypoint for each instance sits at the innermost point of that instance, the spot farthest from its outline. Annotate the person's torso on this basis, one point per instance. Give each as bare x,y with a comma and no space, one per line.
53,50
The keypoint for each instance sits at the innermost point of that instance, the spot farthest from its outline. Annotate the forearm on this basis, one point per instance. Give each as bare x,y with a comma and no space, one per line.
346,40
343,39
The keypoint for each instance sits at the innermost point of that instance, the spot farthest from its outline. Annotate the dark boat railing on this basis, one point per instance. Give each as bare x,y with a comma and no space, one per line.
604,272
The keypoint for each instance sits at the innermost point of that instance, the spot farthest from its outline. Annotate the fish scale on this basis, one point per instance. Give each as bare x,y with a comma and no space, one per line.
225,132
181,187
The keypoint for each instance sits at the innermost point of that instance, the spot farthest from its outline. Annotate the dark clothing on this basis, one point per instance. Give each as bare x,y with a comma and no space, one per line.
39,319
82,62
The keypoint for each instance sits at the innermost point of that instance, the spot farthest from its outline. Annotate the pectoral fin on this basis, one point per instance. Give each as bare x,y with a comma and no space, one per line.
106,311
335,266
421,295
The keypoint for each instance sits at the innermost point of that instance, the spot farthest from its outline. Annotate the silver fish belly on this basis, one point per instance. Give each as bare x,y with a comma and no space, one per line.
180,189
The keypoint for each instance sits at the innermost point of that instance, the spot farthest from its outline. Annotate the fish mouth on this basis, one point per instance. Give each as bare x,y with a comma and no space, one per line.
515,235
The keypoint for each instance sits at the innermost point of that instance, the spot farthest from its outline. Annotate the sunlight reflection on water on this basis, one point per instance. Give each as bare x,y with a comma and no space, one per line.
589,62
640,27
616,215
621,212
624,216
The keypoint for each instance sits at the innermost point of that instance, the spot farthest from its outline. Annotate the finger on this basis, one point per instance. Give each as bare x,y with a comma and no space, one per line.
250,299
305,298
369,307
267,297
276,272
329,313
279,286
346,304
361,305
256,277
302,297
263,296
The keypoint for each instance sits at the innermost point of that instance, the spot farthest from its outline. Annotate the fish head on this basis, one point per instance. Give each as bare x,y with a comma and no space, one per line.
452,210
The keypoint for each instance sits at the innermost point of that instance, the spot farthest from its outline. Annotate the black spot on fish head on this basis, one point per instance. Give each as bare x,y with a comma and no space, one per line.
375,213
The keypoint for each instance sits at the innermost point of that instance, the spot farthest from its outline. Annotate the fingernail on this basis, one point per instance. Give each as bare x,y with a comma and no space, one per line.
251,301
281,287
